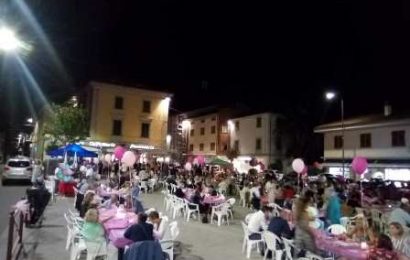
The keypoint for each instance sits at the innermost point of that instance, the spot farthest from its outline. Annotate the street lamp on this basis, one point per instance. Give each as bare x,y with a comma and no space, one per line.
8,40
330,95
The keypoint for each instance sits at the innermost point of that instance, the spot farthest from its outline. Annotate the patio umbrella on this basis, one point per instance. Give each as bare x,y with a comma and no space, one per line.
220,162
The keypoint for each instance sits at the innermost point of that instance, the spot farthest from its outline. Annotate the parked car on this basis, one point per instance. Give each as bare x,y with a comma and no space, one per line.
18,168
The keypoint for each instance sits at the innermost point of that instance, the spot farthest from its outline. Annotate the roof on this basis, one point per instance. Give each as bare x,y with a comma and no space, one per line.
369,121
128,85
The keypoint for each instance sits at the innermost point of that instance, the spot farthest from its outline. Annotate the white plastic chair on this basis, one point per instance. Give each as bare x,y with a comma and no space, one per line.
70,231
191,208
289,246
231,202
96,249
248,217
144,186
271,241
248,244
50,186
168,245
336,229
178,207
312,256
220,212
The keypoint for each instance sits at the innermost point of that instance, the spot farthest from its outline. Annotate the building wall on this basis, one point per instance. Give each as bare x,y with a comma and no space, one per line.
206,122
381,143
248,133
103,112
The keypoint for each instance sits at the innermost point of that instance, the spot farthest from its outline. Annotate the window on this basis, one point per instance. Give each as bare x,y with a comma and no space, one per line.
146,106
258,144
278,143
203,121
213,129
258,122
117,127
192,132
202,130
201,147
191,147
213,118
398,138
224,129
145,130
236,125
365,140
338,142
212,146
236,145
119,102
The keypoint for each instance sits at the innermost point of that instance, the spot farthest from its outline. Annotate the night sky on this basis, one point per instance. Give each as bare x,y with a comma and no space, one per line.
294,49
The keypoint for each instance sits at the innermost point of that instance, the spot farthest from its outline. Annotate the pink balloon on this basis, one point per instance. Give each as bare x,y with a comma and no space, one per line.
128,158
119,152
359,165
107,158
298,165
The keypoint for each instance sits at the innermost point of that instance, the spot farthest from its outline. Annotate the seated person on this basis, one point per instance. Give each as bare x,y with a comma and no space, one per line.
160,224
128,201
400,240
401,215
279,226
142,231
360,231
92,230
258,221
112,202
88,203
383,249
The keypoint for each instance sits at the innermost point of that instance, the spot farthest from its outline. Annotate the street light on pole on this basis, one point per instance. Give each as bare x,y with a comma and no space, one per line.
9,41
331,95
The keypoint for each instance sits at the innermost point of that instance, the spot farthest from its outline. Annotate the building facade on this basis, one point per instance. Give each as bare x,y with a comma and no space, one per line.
257,136
383,139
127,115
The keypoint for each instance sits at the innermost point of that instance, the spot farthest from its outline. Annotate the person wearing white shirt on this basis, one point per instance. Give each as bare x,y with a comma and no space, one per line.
258,222
160,225
256,196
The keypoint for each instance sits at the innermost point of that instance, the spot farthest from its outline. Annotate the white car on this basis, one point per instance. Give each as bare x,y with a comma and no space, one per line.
18,168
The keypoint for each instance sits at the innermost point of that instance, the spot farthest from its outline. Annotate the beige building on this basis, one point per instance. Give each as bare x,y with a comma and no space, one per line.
127,115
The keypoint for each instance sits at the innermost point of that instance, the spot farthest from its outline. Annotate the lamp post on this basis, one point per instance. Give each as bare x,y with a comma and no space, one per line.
330,95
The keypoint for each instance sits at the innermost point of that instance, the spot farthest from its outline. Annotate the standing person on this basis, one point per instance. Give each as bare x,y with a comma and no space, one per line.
304,234
334,209
37,171
82,188
256,196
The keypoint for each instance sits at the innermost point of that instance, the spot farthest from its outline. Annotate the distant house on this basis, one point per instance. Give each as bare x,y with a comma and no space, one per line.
383,139
257,136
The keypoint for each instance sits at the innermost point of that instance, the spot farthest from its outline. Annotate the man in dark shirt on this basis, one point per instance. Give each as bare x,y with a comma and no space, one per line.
141,231
280,227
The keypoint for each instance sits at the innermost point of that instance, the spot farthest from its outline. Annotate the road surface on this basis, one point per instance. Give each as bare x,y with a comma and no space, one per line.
9,195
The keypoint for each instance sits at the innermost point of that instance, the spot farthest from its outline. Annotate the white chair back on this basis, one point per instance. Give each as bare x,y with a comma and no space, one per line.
289,246
173,227
271,240
336,229
231,201
248,217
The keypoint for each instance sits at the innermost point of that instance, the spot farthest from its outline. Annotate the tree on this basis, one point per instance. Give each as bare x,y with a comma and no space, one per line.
66,123
232,154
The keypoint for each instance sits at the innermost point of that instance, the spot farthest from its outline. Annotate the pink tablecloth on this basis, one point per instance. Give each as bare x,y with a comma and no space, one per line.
105,193
115,226
350,250
214,200
208,199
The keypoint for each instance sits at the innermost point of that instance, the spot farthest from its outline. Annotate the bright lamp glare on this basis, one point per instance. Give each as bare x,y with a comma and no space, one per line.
330,95
30,120
8,40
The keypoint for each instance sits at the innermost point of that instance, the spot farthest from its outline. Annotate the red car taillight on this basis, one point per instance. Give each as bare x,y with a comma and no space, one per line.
29,168
6,168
